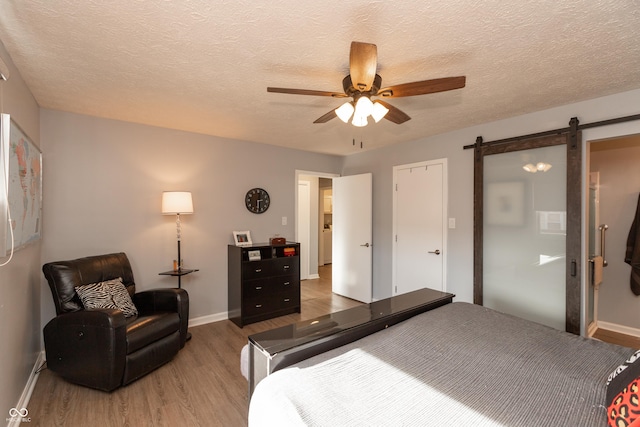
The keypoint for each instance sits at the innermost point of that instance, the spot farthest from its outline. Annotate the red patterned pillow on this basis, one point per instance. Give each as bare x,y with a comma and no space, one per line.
623,394
624,410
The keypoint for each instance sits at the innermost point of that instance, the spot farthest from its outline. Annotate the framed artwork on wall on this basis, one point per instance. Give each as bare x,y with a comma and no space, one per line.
21,199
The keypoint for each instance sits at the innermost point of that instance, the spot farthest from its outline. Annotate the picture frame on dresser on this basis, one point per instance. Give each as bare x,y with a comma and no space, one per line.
242,238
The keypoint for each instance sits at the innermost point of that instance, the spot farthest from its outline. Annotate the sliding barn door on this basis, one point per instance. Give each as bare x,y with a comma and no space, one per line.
527,229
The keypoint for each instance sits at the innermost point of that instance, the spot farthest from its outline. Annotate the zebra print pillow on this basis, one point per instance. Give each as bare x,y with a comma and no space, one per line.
108,294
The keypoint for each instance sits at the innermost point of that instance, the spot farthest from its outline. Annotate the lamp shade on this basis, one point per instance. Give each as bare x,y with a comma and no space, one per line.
177,202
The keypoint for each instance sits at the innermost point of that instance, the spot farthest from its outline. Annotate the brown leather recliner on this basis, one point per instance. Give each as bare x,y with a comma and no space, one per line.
100,348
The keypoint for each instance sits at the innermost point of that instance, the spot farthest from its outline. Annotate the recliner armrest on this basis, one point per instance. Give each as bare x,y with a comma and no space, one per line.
88,347
165,299
98,317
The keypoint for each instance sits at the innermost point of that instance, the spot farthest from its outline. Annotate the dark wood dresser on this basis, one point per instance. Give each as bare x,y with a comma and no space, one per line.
264,282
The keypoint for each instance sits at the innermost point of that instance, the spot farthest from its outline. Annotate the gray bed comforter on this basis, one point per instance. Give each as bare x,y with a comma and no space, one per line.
460,364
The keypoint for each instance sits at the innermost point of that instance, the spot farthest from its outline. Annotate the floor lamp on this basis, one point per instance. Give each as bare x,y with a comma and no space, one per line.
177,203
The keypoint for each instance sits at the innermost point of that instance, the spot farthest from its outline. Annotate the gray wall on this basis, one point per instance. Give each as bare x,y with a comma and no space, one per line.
460,168
619,191
103,185
20,279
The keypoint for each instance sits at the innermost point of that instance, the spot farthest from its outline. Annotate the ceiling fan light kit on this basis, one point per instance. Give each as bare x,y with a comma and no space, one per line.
379,111
345,111
363,109
362,83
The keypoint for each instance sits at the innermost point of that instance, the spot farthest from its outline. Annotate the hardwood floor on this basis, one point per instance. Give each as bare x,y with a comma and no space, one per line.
617,338
201,386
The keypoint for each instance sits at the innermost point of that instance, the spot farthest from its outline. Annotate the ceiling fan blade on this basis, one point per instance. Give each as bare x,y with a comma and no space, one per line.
324,119
394,115
306,92
423,87
363,62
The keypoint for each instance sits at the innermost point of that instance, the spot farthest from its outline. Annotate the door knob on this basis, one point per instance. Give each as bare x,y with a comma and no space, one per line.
366,245
437,252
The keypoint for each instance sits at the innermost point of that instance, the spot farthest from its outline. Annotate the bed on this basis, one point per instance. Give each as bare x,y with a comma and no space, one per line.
459,364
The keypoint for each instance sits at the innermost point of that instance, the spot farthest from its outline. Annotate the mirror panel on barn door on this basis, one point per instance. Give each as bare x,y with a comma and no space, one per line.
526,259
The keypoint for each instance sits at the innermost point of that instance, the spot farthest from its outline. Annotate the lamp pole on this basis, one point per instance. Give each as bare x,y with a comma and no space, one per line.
178,233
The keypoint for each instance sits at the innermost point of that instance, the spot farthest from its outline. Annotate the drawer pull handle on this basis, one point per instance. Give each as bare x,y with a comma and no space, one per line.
287,300
258,305
286,283
258,288
286,267
258,270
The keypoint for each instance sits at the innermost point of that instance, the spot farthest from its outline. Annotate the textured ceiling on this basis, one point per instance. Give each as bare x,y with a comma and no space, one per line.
204,65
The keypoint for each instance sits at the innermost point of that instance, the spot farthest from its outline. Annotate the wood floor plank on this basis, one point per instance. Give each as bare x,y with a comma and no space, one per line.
201,386
617,338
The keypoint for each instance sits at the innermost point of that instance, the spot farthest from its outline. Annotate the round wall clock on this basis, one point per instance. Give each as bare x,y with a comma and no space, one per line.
257,200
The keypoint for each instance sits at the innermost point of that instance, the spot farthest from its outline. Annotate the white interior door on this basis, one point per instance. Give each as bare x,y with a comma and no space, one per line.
594,245
352,237
419,227
304,225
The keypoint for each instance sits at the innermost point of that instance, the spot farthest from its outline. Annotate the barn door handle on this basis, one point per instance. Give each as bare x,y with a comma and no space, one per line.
437,252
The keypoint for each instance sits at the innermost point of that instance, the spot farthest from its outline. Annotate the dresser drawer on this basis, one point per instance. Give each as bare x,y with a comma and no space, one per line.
257,269
286,286
286,265
255,306
257,288
270,287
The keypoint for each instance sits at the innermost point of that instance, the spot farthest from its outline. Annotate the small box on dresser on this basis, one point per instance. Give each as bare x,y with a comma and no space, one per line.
264,288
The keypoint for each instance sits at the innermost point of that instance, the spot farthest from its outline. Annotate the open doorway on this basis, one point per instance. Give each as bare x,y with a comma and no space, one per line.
325,242
314,204
614,192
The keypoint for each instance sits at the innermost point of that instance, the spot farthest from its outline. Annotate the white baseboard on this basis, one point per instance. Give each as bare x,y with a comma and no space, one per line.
203,320
23,403
313,276
627,330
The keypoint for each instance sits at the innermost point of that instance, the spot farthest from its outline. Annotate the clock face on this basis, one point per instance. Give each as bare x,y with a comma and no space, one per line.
257,200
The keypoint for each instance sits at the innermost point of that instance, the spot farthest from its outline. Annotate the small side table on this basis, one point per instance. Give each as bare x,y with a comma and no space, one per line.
179,273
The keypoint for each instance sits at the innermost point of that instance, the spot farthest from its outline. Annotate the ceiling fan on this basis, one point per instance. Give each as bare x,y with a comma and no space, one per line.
362,83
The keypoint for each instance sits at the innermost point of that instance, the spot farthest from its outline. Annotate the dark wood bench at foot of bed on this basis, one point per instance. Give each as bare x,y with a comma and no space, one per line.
281,347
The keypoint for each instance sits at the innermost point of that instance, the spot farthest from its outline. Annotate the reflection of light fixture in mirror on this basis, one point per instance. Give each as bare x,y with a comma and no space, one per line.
538,167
